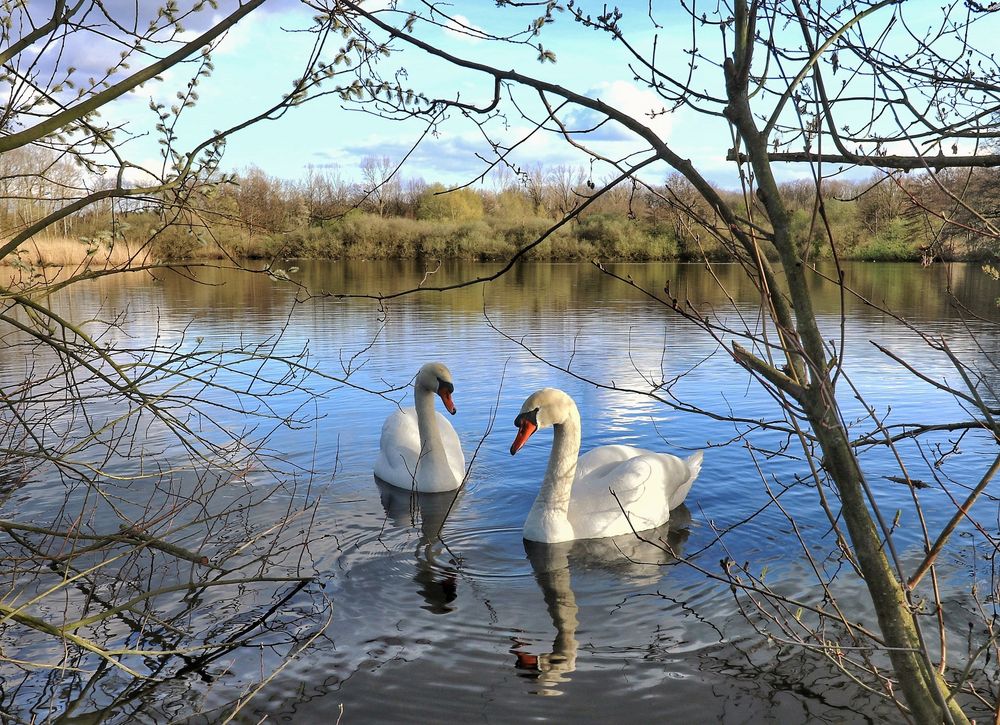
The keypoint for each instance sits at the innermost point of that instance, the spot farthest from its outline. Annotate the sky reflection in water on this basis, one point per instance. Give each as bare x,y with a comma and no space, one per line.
464,618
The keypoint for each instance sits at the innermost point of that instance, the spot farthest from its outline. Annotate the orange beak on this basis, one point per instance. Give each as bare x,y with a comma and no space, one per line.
446,399
524,430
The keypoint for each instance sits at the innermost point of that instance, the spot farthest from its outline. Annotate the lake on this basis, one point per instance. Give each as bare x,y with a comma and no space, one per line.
435,609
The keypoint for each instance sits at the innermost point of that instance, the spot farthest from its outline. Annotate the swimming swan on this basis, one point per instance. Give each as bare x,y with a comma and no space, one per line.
419,449
575,501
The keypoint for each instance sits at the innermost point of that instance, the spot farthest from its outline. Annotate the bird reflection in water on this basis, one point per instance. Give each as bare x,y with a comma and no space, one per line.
436,576
553,564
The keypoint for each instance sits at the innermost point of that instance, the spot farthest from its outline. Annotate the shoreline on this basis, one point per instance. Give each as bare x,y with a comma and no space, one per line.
62,252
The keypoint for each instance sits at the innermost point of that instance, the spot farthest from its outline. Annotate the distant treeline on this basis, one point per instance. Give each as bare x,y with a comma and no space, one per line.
254,215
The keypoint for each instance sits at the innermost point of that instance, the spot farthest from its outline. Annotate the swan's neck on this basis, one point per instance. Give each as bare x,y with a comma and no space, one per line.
431,447
558,482
547,520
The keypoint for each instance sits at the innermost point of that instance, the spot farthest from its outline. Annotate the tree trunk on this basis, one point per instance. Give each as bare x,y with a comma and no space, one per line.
926,693
924,689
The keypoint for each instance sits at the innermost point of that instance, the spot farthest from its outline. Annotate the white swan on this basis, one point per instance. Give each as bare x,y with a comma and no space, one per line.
576,499
419,449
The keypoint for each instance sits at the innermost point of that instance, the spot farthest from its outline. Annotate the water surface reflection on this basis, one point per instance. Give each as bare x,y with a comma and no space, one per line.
439,611
628,556
436,576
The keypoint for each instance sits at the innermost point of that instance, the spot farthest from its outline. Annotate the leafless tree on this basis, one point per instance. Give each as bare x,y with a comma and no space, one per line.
153,453
565,185
327,191
861,84
382,188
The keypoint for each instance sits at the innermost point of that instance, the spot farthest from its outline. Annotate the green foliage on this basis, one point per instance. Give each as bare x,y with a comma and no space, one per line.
806,232
993,274
844,228
617,237
605,228
692,244
512,204
369,236
519,232
892,244
470,240
662,244
564,247
262,217
177,242
456,205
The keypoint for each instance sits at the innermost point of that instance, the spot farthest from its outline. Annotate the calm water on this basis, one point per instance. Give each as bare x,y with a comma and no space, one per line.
472,625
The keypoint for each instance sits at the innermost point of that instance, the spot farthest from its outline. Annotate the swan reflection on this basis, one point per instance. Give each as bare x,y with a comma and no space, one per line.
436,576
626,555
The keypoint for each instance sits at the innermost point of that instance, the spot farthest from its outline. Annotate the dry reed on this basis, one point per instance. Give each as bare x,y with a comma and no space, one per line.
49,259
66,252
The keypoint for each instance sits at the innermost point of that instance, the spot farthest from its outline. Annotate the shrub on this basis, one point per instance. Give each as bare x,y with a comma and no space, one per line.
605,229
618,237
886,250
177,243
369,236
892,244
456,205
519,232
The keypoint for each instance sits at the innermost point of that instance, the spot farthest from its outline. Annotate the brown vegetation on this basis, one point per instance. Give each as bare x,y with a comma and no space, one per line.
323,216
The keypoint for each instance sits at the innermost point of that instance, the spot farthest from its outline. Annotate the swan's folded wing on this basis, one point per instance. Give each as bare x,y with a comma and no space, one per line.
637,482
602,456
667,475
399,446
633,484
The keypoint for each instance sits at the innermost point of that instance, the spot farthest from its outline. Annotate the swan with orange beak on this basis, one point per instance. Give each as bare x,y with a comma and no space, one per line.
608,491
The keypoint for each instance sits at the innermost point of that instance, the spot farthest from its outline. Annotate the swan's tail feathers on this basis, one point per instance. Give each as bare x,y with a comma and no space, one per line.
694,464
694,468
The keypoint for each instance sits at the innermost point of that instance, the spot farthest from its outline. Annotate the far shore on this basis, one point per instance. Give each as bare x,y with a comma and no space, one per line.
65,252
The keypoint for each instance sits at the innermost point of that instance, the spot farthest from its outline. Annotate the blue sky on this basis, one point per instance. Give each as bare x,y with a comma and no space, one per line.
257,61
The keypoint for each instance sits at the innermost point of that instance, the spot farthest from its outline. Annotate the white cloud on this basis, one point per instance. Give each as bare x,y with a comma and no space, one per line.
459,26
138,176
639,103
240,36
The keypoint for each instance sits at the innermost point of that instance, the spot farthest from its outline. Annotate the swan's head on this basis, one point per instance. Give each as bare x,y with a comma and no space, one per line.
543,409
436,378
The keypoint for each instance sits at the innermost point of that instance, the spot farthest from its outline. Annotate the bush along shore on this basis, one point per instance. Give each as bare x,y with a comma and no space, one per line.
254,216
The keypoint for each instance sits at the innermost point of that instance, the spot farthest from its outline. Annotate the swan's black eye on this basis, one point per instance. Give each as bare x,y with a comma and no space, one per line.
446,386
531,416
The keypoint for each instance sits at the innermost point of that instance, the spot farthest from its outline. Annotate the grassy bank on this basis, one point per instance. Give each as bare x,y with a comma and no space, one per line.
42,251
365,236
359,235
599,236
63,251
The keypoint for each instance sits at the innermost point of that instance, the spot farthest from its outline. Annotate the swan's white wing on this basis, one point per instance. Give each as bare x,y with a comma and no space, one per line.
646,484
452,446
677,474
399,447
600,457
399,451
595,512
